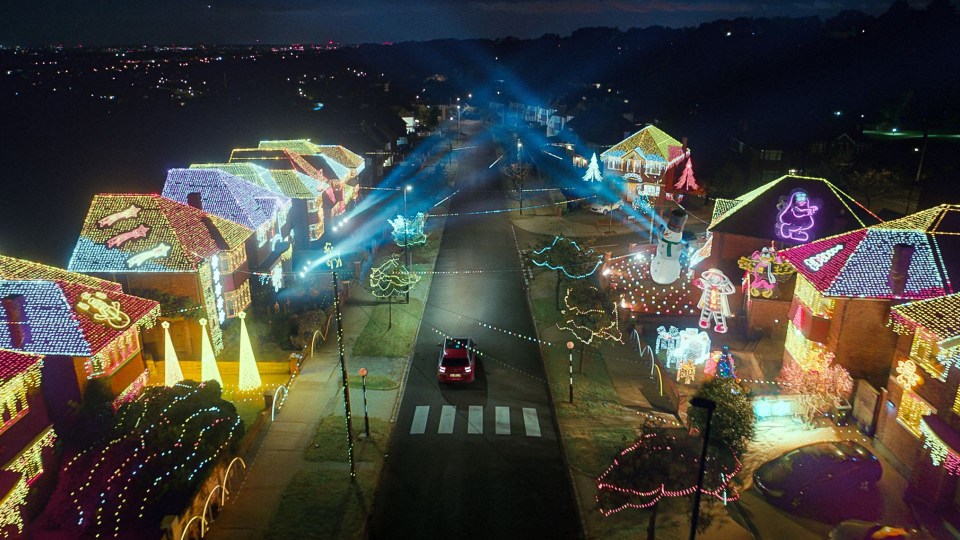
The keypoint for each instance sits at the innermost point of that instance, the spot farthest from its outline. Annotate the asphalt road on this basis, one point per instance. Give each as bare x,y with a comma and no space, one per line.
480,460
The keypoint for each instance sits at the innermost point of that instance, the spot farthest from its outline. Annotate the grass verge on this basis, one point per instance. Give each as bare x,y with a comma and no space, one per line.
390,335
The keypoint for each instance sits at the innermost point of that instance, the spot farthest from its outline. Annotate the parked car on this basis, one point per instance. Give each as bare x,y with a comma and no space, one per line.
817,472
458,361
604,208
857,529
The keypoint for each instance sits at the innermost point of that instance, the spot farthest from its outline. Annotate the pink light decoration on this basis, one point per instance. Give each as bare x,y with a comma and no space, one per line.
131,211
655,495
140,232
796,217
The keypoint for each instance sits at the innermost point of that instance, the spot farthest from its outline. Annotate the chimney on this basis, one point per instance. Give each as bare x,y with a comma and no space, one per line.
214,232
15,306
900,268
683,143
194,200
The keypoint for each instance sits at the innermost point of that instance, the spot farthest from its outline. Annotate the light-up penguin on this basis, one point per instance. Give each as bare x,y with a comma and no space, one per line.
665,266
796,217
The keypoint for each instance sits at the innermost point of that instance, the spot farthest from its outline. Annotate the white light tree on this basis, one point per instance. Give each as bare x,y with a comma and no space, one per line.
593,170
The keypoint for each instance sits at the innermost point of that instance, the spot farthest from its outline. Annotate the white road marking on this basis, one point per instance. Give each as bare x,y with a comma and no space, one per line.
475,420
419,425
530,422
503,421
447,415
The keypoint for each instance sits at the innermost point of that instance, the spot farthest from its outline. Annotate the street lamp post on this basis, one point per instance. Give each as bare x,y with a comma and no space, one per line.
366,419
458,122
406,235
570,358
343,377
520,172
709,405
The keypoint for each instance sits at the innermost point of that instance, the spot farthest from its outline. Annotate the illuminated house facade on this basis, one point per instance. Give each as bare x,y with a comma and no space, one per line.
269,249
154,245
58,331
771,216
647,161
919,420
334,165
305,216
846,284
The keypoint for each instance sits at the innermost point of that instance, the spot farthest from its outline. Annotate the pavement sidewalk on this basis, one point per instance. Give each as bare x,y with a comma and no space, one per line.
313,395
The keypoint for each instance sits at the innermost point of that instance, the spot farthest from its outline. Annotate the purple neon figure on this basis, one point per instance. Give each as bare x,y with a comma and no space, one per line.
796,217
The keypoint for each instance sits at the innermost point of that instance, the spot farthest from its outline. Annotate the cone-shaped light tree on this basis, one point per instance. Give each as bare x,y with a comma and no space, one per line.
593,170
687,182
208,362
172,374
249,374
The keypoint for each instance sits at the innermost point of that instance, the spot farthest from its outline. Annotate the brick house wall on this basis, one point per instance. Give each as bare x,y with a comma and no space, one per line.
860,339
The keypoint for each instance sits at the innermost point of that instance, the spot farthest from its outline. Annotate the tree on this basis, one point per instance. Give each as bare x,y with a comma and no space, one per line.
663,463
590,315
593,171
873,183
391,279
568,260
733,423
820,387
687,182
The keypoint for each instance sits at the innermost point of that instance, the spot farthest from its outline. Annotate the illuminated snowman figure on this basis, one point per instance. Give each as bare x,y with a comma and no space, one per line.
665,266
713,302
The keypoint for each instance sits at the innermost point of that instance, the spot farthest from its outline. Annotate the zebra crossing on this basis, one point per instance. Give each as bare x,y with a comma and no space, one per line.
450,421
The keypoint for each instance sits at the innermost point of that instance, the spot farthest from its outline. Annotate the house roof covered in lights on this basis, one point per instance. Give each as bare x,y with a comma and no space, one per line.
768,211
333,152
18,269
650,144
225,195
67,319
283,169
858,263
150,233
940,316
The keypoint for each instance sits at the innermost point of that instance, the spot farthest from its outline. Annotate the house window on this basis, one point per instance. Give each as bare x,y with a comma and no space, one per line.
924,352
653,168
238,300
912,409
315,231
771,155
281,218
261,236
311,205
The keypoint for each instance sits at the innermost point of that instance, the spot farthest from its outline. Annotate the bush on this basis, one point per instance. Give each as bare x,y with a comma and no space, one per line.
733,423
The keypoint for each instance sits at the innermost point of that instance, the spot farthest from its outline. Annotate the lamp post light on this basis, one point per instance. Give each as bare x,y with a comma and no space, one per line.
520,171
363,383
406,235
709,405
570,358
458,122
343,377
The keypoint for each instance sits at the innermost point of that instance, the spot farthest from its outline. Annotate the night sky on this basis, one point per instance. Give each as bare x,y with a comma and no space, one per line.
190,22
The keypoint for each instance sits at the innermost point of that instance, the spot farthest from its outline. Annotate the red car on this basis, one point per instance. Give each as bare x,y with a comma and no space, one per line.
457,360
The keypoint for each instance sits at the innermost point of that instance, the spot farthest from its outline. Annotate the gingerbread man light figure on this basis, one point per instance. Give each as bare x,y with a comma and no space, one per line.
713,302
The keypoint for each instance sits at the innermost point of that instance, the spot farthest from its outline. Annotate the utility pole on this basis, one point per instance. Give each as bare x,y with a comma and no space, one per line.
520,171
916,180
343,376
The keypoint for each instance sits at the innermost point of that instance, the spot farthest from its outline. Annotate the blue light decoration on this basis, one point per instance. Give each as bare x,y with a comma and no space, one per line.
227,196
795,216
409,232
545,252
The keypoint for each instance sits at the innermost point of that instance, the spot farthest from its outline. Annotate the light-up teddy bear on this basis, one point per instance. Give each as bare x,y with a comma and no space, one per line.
713,302
796,217
665,266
